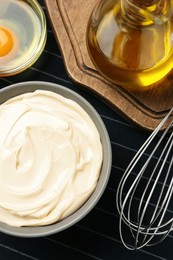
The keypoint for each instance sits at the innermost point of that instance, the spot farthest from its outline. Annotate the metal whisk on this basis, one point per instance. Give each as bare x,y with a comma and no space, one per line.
145,192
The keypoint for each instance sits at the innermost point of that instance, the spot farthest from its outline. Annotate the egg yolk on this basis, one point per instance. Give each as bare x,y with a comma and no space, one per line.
6,41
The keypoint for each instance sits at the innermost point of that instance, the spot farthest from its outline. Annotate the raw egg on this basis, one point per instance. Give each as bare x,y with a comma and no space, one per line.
6,41
8,44
22,35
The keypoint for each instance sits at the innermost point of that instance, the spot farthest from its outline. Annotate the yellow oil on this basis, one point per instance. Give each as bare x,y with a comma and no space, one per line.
132,56
22,22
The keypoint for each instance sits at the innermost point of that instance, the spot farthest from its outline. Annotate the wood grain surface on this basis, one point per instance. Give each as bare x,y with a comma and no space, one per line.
69,19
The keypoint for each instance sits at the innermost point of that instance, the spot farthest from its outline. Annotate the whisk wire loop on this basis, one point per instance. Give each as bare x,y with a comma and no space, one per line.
147,221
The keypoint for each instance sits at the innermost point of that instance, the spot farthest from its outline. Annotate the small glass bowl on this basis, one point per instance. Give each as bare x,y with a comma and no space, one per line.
22,35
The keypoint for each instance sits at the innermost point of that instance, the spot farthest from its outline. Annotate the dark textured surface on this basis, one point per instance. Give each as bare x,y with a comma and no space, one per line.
97,235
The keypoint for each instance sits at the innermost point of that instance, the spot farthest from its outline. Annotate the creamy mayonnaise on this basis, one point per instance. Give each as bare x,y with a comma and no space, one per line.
50,158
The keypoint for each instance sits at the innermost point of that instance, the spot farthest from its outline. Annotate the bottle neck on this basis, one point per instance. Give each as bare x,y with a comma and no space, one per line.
145,13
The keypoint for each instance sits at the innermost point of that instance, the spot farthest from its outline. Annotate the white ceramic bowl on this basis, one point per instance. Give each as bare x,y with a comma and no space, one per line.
30,86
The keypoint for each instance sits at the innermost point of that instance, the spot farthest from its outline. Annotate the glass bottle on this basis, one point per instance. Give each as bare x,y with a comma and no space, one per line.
131,41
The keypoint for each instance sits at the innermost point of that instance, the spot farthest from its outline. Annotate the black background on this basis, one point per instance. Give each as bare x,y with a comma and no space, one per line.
97,235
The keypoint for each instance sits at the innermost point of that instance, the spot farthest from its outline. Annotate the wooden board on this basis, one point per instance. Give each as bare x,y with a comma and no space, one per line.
69,20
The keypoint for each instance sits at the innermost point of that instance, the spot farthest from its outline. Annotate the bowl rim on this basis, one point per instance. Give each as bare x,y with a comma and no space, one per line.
39,231
36,7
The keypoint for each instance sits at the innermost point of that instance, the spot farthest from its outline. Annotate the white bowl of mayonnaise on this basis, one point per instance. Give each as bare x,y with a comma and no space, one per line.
55,158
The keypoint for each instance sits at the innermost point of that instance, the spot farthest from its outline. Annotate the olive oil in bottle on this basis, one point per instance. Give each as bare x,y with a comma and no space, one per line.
131,42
